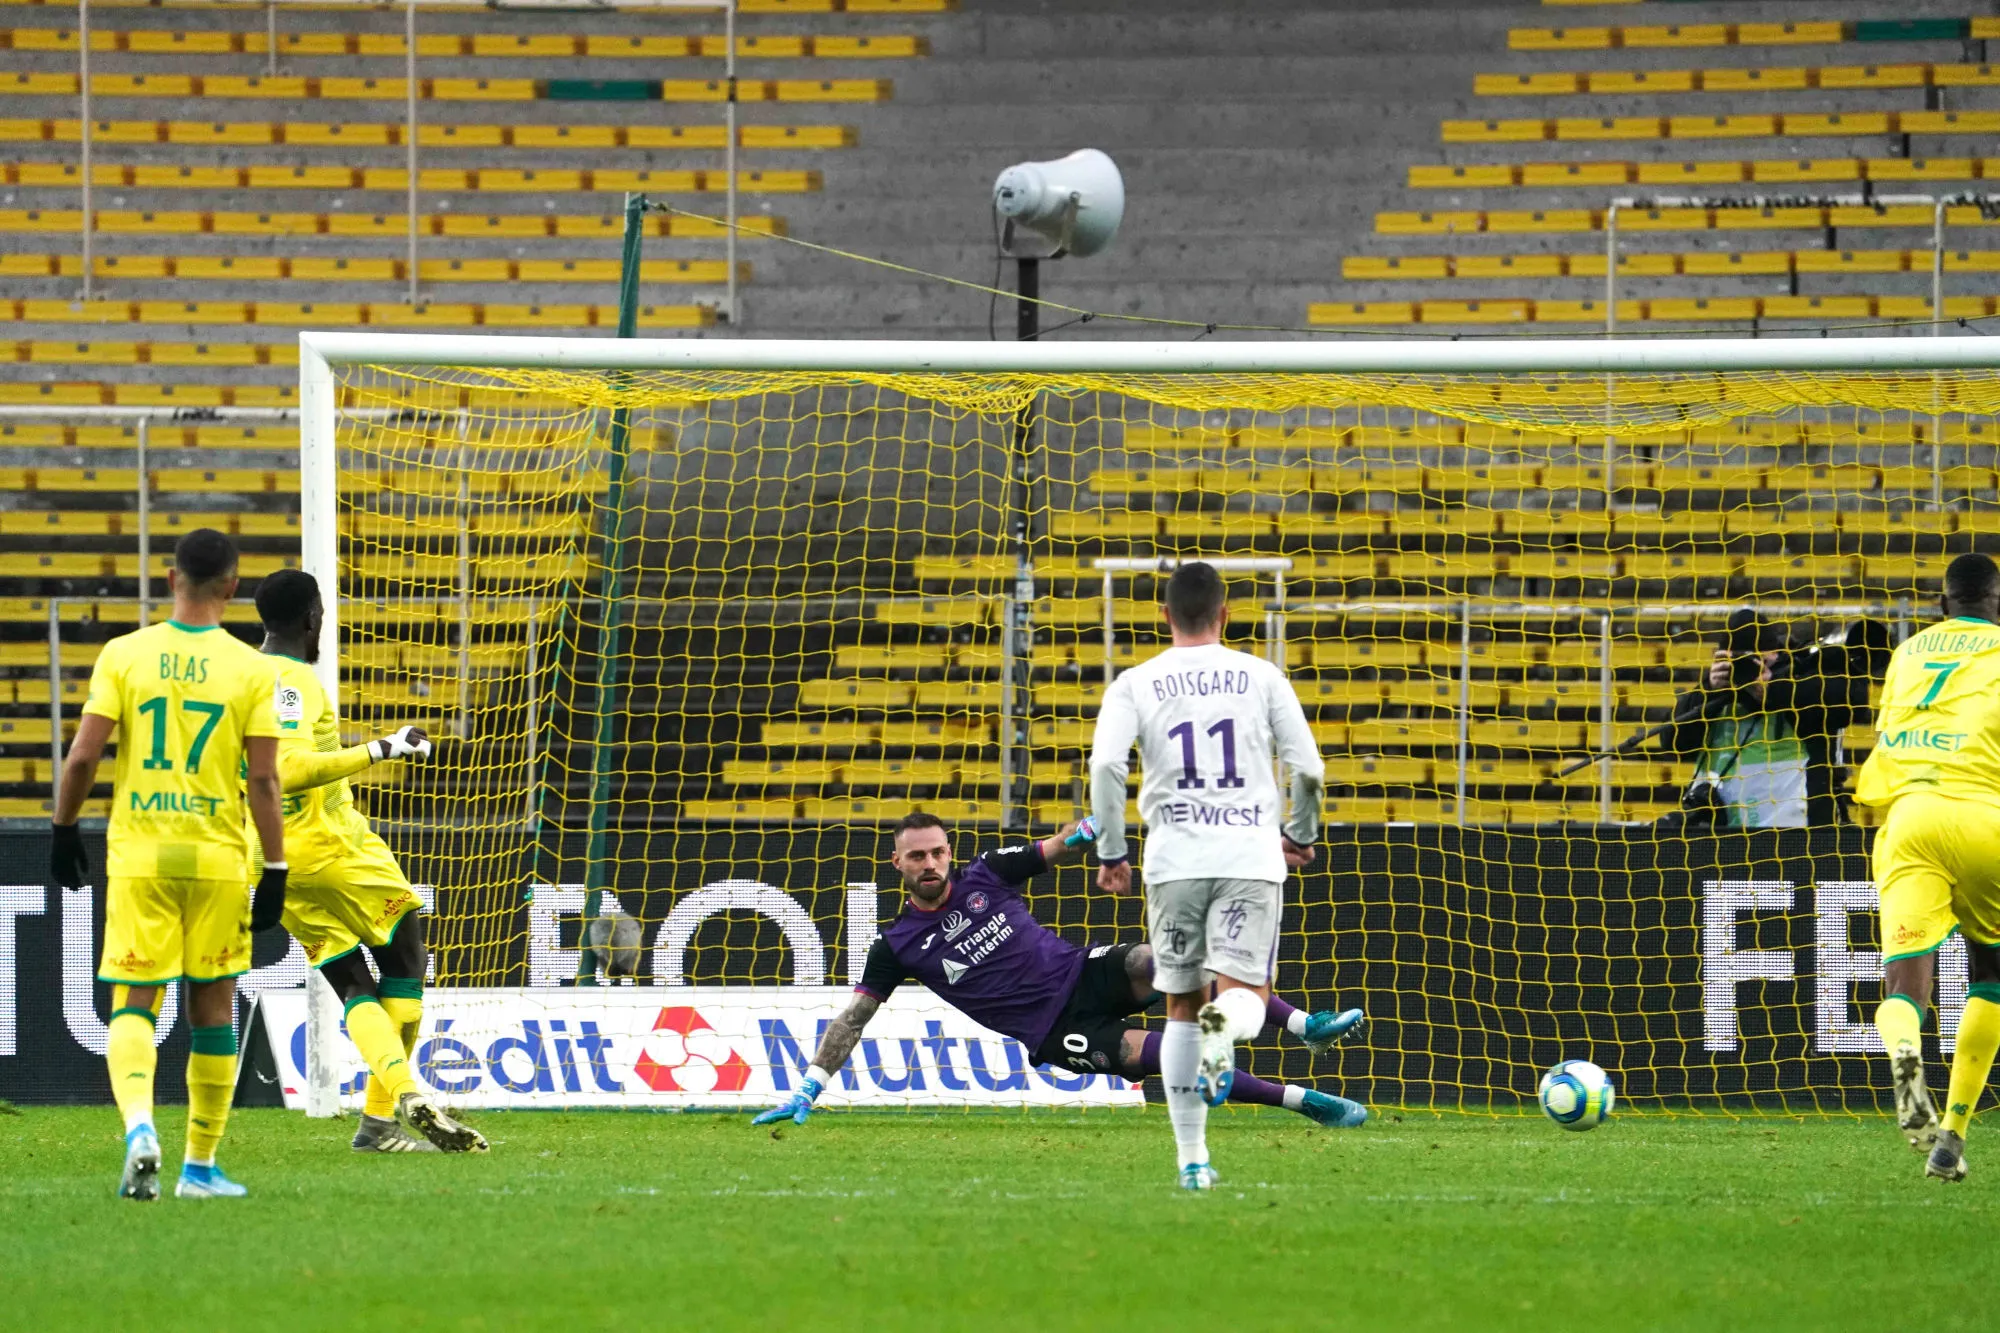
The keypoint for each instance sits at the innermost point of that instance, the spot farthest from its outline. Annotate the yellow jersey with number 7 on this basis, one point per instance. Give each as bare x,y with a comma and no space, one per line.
1938,727
184,701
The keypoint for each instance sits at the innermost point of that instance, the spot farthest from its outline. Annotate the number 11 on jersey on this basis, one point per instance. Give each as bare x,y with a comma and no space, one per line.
1190,778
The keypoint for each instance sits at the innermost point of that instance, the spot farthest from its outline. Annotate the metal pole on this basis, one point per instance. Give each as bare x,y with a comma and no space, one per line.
410,135
1604,717
270,37
55,696
1464,700
729,158
1110,630
1610,331
1008,614
464,582
528,817
1611,269
1937,330
145,527
597,853
83,133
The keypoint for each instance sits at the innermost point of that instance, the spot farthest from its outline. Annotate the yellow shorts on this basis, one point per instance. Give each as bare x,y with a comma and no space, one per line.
1937,866
158,930
356,899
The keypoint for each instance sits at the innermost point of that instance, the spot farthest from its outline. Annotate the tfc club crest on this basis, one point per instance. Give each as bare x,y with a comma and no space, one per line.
976,903
684,1054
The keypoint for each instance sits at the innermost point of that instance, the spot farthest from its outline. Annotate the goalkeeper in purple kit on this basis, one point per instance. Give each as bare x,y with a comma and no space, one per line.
968,936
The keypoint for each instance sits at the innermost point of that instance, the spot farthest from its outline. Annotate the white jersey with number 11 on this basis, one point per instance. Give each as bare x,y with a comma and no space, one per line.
1208,722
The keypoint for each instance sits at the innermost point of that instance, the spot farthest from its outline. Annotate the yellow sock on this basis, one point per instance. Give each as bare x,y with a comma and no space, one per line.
380,1041
1900,1021
211,1080
405,1011
129,1055
1978,1038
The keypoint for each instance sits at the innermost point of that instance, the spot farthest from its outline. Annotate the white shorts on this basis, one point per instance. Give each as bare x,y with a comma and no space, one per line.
1223,926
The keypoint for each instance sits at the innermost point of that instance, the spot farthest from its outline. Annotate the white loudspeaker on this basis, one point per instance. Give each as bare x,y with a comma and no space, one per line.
1076,202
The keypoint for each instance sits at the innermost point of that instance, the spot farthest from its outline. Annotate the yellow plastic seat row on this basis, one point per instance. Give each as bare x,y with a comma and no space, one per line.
516,226
272,268
363,135
1139,436
436,46
1655,36
1629,474
30,565
289,314
67,176
1783,79
292,88
67,353
461,6
1673,35
1586,129
1431,567
1529,222
1591,264
1716,310
104,523
481,483
1780,171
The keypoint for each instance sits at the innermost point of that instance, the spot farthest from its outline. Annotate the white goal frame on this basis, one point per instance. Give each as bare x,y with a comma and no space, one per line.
321,352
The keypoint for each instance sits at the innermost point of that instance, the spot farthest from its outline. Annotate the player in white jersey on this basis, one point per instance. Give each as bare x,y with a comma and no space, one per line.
1209,722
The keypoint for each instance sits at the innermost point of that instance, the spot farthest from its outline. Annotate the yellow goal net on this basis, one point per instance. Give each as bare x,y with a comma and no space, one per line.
1587,645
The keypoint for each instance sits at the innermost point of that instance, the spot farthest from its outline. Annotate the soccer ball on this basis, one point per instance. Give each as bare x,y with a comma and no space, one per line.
1576,1094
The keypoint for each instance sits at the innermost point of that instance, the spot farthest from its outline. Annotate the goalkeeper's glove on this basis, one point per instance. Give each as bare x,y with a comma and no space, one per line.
267,903
1084,833
403,743
69,863
800,1104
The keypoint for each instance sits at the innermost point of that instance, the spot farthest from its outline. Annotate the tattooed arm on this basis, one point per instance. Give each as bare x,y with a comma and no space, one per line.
879,979
842,1034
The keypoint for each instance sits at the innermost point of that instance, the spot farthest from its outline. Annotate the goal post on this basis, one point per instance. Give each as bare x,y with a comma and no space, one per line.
1487,566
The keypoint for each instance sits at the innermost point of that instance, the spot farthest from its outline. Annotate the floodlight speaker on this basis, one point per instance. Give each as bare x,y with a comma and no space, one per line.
1076,202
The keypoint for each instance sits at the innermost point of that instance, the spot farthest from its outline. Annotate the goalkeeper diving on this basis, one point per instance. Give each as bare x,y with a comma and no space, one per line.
968,936
345,890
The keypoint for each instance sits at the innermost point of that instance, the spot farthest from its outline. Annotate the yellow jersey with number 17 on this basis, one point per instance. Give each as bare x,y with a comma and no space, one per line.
321,823
184,700
1938,727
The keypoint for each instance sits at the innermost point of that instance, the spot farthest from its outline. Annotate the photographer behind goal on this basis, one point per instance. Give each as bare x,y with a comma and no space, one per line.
1764,728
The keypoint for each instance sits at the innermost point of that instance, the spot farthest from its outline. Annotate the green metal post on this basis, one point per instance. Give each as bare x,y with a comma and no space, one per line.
610,638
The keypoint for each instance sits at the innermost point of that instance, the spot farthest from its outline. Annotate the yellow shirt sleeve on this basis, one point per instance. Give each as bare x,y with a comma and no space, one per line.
107,694
301,769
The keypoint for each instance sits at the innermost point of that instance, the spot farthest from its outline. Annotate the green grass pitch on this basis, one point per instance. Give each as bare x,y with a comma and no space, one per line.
1035,1221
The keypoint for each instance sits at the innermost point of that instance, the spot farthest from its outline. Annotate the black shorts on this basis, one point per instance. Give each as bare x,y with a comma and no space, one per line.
1090,1030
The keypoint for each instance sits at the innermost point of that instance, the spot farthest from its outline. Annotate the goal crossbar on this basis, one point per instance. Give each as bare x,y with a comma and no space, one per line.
318,351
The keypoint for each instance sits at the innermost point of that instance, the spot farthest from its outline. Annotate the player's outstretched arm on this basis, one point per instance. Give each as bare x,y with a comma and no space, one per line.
1070,842
842,1034
303,769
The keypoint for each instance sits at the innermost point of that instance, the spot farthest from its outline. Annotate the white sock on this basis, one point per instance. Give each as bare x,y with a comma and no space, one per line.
1296,1024
135,1120
1295,1096
1180,1054
1245,1011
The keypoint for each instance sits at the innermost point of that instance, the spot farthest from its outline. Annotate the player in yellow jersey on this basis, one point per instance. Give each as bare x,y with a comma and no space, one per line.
1935,772
346,890
194,709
